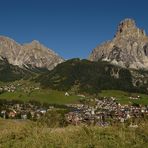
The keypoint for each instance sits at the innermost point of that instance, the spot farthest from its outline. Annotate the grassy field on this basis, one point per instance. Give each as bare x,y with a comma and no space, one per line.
22,134
58,97
123,97
42,95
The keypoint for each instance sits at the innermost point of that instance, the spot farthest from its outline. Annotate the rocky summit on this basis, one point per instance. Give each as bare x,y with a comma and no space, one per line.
128,48
29,55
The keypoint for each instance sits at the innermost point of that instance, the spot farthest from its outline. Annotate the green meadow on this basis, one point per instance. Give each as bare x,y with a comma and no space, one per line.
42,95
25,92
123,97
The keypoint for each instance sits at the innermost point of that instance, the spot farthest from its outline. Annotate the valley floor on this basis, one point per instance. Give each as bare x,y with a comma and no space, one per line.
26,133
22,134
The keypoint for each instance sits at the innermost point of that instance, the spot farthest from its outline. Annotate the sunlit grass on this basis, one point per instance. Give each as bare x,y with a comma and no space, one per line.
46,96
23,134
123,97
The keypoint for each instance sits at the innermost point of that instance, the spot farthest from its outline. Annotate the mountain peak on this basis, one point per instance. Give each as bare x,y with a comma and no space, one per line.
127,28
35,42
127,23
34,45
129,47
32,54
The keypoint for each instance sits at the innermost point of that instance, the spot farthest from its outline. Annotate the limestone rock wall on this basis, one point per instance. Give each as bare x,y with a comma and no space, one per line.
33,54
129,47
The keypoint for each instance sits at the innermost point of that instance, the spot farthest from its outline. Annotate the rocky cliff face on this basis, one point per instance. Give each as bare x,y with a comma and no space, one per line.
129,47
31,55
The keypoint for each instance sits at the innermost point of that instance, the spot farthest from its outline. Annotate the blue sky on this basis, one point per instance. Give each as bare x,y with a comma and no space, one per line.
72,28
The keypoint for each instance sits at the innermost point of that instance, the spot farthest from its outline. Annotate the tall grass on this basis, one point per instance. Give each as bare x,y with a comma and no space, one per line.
16,134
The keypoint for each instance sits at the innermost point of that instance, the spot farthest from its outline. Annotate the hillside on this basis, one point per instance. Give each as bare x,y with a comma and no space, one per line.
91,77
10,72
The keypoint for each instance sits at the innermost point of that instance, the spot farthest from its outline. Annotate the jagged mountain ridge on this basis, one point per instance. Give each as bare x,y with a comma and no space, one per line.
129,47
31,55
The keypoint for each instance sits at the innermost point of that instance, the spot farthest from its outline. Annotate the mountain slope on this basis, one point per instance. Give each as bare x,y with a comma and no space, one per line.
10,72
129,47
90,77
29,55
